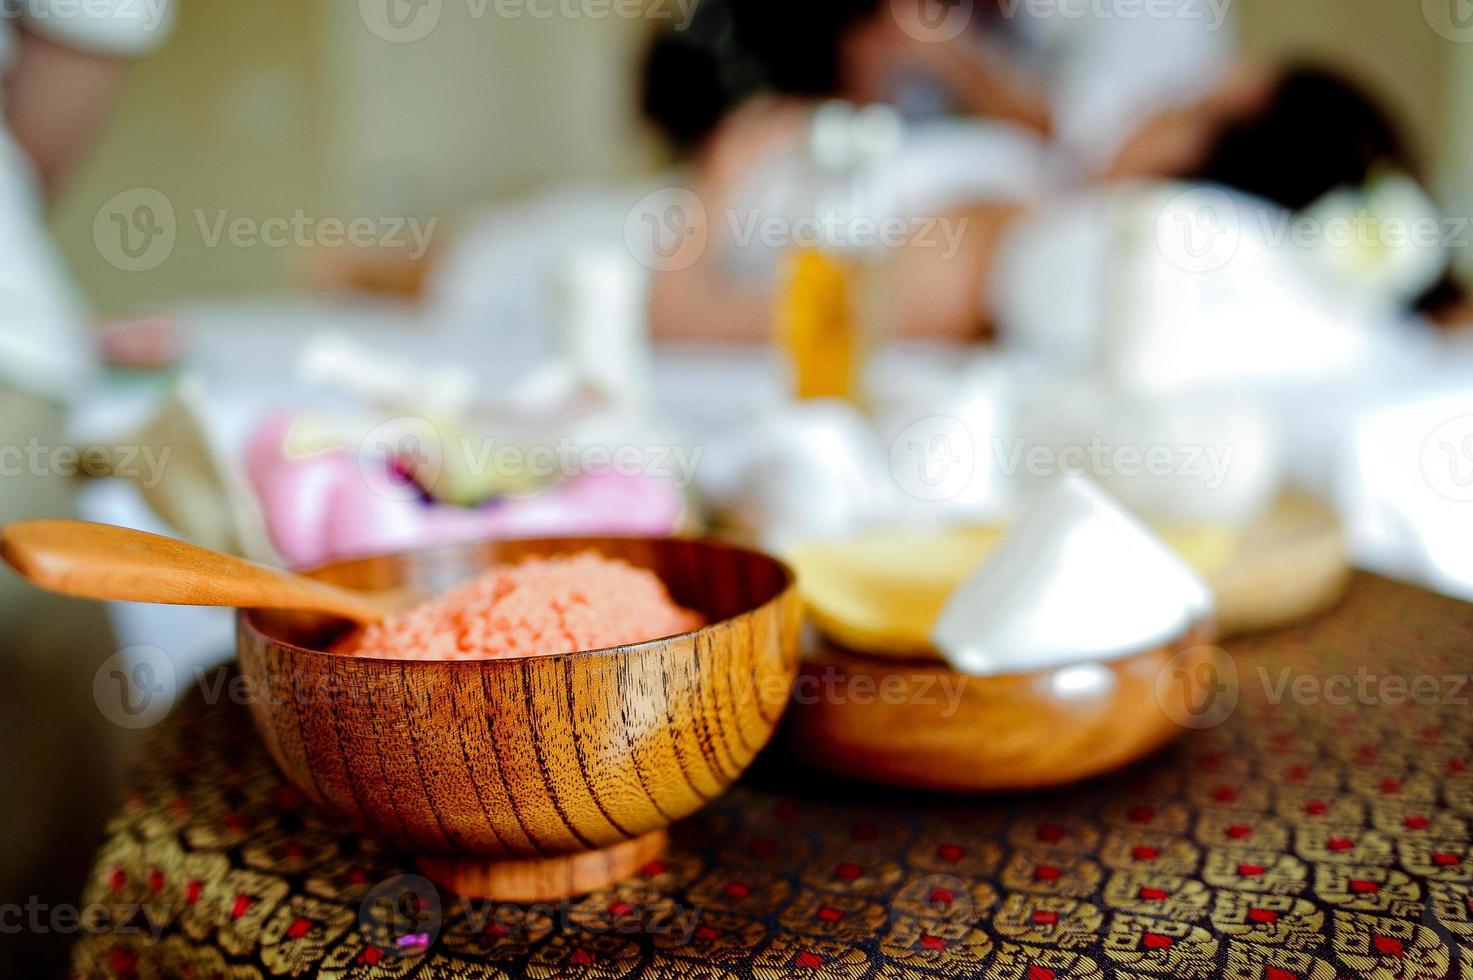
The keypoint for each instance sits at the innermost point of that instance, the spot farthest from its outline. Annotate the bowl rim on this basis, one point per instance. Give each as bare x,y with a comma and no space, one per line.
245,624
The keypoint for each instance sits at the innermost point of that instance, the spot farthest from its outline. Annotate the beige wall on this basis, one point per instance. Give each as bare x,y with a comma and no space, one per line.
480,107
268,106
1388,42
265,107
227,116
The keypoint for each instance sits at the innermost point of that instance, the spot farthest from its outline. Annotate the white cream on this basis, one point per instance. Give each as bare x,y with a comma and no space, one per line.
1077,579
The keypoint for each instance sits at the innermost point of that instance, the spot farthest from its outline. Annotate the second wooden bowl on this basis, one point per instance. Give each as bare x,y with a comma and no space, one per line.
921,725
531,778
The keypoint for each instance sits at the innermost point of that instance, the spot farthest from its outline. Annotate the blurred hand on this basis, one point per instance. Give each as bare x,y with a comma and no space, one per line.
55,99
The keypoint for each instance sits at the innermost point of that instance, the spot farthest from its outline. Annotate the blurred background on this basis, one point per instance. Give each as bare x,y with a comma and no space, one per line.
319,264
283,105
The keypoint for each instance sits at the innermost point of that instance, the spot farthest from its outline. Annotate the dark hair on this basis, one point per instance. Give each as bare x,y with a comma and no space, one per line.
733,49
1317,132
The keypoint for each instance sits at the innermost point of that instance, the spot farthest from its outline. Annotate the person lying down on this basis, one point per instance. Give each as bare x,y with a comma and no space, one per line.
1031,146
1313,175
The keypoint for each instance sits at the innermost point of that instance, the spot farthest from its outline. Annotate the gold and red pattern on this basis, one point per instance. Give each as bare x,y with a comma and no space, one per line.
1302,838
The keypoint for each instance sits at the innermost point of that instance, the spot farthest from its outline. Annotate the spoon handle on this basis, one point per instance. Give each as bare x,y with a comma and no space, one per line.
102,561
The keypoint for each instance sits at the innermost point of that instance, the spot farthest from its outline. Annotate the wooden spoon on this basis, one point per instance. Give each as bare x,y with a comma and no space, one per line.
101,561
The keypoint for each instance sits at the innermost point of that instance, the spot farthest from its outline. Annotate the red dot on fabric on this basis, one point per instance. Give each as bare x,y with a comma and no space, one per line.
1388,945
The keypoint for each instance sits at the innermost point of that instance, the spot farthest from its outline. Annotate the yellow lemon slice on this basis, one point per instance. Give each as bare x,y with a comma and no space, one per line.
882,591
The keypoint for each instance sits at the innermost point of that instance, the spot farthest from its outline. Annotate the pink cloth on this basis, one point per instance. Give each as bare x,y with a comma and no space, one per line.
321,508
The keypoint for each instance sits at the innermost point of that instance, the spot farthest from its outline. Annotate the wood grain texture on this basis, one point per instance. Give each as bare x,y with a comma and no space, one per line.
524,759
101,561
924,726
1291,564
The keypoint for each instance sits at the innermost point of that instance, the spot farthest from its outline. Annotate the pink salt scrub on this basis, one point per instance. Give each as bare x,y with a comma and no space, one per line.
543,605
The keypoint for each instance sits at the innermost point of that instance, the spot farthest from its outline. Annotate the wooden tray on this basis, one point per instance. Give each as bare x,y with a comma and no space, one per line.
880,593
1289,565
942,730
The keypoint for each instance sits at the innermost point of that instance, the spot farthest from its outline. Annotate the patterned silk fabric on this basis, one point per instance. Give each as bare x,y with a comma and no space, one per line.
1319,831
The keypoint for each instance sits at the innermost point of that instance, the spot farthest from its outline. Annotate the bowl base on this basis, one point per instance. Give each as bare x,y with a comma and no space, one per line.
543,879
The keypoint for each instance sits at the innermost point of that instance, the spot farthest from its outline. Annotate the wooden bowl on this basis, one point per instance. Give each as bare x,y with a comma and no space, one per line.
533,778
921,725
